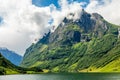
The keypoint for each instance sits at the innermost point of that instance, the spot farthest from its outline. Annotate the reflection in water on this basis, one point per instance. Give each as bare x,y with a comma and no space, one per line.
82,76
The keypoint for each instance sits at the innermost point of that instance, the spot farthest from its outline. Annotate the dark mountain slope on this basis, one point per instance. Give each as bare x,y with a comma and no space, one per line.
6,67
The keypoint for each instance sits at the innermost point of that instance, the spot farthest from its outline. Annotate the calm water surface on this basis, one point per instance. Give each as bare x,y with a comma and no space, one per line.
80,76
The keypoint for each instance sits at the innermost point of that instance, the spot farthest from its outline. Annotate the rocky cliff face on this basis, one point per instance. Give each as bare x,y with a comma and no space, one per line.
76,45
77,30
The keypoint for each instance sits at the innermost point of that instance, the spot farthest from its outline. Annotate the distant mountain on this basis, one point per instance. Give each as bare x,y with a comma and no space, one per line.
10,55
87,44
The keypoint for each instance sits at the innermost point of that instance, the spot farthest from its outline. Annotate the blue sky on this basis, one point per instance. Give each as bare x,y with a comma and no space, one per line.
43,3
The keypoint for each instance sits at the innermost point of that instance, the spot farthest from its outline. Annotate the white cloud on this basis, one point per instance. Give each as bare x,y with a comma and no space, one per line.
109,9
66,9
23,23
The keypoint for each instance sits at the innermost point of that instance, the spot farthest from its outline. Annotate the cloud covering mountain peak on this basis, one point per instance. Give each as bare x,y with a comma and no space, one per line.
23,22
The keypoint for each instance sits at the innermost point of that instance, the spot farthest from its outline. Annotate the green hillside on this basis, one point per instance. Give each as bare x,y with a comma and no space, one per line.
6,67
87,45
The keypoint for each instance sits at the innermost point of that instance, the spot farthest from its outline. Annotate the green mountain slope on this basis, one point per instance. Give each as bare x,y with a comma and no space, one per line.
6,67
84,45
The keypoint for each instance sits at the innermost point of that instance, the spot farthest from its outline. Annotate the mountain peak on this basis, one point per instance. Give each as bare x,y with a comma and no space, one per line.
87,22
70,27
85,43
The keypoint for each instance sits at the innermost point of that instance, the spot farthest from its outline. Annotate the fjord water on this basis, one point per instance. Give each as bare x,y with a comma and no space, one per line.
65,76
